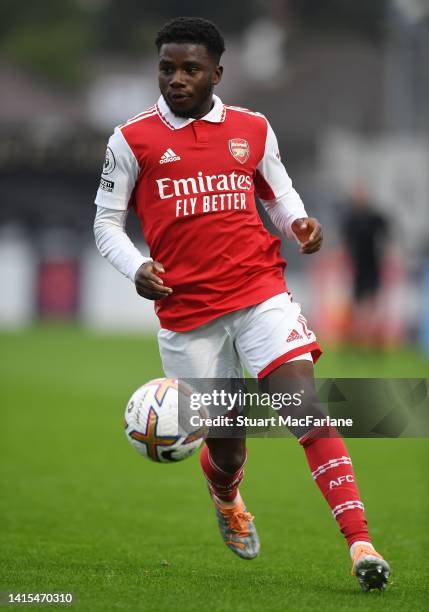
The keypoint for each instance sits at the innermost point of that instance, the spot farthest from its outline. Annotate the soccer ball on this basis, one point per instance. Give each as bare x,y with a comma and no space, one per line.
153,424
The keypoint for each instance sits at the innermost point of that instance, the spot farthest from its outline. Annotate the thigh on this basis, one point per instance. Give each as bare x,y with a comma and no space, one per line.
204,352
296,377
274,333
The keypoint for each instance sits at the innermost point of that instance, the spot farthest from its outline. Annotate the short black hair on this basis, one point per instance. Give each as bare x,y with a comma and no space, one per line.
193,30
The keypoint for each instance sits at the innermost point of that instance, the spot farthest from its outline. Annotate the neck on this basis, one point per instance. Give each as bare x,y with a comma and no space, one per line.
204,109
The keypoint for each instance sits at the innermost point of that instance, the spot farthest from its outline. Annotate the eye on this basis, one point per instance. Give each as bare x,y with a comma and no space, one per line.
166,69
192,70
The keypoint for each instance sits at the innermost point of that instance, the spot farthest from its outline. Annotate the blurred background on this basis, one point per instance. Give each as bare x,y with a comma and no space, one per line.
345,85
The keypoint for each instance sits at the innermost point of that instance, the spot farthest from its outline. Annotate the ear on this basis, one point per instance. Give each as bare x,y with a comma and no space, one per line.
217,75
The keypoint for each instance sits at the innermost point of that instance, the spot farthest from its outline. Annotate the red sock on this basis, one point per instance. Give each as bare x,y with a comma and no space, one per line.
223,484
332,470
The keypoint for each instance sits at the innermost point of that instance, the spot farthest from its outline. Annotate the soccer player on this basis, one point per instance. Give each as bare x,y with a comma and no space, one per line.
190,166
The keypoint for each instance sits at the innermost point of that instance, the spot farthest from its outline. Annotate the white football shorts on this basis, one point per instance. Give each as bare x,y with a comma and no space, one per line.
260,338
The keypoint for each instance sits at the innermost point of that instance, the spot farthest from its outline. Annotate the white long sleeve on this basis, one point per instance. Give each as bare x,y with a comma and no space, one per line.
113,242
282,215
275,190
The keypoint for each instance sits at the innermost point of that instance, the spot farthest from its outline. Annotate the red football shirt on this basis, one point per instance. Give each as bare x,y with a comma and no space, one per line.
192,184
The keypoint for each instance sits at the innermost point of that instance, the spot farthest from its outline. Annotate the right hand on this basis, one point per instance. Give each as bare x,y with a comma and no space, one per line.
148,284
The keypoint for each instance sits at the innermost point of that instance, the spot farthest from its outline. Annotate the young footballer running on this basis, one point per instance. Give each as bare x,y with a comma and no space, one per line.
190,166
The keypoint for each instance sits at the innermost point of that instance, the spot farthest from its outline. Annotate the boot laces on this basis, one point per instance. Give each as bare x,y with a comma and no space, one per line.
238,521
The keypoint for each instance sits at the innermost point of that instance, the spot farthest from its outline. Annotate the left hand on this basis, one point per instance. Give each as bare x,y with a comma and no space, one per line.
309,233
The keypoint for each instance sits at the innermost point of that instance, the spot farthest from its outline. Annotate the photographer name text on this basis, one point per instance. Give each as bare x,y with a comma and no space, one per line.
273,421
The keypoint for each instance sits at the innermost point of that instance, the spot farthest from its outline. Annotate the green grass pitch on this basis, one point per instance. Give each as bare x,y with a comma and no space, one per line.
80,511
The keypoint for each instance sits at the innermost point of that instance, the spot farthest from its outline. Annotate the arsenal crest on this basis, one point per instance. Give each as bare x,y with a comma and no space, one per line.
239,149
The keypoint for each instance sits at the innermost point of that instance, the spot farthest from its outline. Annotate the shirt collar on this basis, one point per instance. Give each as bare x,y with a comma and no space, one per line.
215,115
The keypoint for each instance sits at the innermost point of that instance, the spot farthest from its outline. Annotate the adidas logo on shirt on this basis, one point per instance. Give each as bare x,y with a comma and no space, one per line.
169,156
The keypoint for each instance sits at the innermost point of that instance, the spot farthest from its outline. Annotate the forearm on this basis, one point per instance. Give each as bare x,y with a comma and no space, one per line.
114,244
275,190
284,210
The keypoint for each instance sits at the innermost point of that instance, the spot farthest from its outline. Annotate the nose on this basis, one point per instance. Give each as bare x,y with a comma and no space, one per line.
177,79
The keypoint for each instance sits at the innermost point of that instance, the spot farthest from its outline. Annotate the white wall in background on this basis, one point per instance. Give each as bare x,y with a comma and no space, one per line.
17,278
395,170
109,300
113,98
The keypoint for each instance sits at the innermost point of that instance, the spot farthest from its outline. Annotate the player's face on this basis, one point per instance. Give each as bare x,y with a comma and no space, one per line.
187,76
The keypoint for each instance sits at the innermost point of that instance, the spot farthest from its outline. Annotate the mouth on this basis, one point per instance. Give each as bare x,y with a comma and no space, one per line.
178,96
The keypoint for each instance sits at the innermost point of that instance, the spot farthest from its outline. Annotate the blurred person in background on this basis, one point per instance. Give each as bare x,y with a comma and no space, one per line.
365,235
